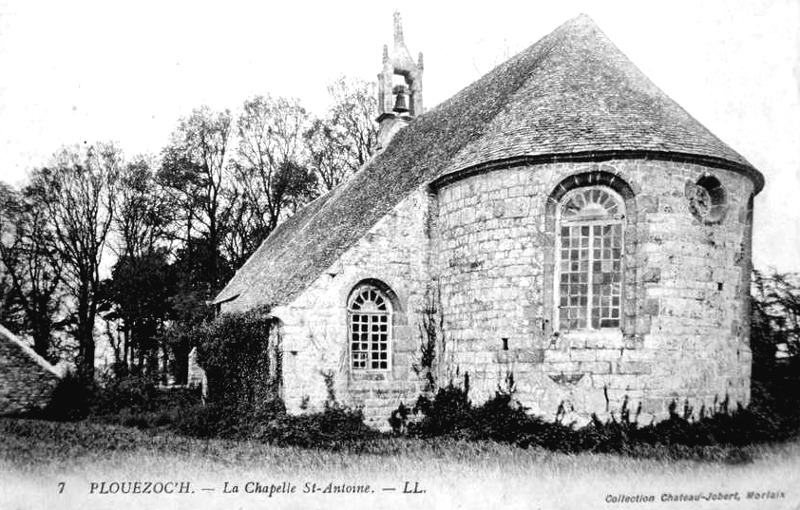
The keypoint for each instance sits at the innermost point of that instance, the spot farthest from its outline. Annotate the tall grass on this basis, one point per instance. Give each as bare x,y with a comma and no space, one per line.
27,444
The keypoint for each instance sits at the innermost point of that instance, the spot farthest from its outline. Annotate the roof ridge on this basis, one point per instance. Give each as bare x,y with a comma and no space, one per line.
585,87
572,92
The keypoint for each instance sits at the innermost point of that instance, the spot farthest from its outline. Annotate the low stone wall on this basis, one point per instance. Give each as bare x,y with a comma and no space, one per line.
27,380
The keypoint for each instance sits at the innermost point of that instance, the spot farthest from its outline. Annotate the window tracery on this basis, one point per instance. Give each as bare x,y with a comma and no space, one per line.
590,265
369,318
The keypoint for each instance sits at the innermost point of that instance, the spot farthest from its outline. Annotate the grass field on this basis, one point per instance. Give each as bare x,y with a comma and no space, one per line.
35,456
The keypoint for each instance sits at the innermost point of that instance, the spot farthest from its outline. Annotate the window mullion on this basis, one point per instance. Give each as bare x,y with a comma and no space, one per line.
373,320
369,330
590,280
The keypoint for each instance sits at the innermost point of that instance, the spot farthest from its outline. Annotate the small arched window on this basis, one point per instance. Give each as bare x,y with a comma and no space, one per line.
590,270
370,319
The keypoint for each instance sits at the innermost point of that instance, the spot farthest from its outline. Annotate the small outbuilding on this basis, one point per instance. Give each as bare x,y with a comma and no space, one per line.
27,380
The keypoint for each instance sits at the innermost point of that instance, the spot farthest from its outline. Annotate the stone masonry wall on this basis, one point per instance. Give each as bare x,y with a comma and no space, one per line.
684,332
26,380
486,245
314,326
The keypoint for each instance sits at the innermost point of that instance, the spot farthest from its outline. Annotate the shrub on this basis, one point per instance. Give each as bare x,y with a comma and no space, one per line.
333,428
208,421
398,420
114,394
447,413
717,434
242,368
69,401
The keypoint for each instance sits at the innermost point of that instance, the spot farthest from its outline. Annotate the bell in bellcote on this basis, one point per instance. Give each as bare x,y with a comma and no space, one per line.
400,101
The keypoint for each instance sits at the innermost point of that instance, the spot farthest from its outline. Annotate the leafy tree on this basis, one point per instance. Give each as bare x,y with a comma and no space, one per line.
341,142
271,175
31,269
775,319
327,154
194,171
354,110
145,212
138,298
76,194
189,304
135,298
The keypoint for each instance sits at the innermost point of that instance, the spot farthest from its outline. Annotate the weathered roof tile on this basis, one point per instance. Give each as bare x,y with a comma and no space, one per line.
572,92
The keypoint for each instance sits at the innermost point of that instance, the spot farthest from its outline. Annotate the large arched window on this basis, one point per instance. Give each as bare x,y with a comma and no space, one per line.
370,319
589,270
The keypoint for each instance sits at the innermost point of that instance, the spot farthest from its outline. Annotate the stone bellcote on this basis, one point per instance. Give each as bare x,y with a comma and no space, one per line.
399,87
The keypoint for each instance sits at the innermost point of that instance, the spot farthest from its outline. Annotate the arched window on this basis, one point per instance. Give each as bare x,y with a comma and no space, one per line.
590,270
370,319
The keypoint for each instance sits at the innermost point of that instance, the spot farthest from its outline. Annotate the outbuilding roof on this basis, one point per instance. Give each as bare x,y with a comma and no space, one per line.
571,95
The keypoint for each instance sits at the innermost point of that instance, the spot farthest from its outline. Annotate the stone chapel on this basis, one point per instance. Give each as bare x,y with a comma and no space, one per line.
560,219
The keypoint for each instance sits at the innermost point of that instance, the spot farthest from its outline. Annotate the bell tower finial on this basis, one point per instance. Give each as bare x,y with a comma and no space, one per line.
399,87
398,30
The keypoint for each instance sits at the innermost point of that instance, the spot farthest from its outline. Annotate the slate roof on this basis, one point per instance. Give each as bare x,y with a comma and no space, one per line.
28,352
586,96
571,94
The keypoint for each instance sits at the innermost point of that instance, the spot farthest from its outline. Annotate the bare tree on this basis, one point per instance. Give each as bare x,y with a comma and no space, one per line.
76,193
31,264
246,228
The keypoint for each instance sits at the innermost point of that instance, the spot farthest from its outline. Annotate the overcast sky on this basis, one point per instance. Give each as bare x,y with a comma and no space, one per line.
77,70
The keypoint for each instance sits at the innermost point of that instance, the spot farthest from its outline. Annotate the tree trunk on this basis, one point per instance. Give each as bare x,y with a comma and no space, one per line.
41,338
86,355
85,339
